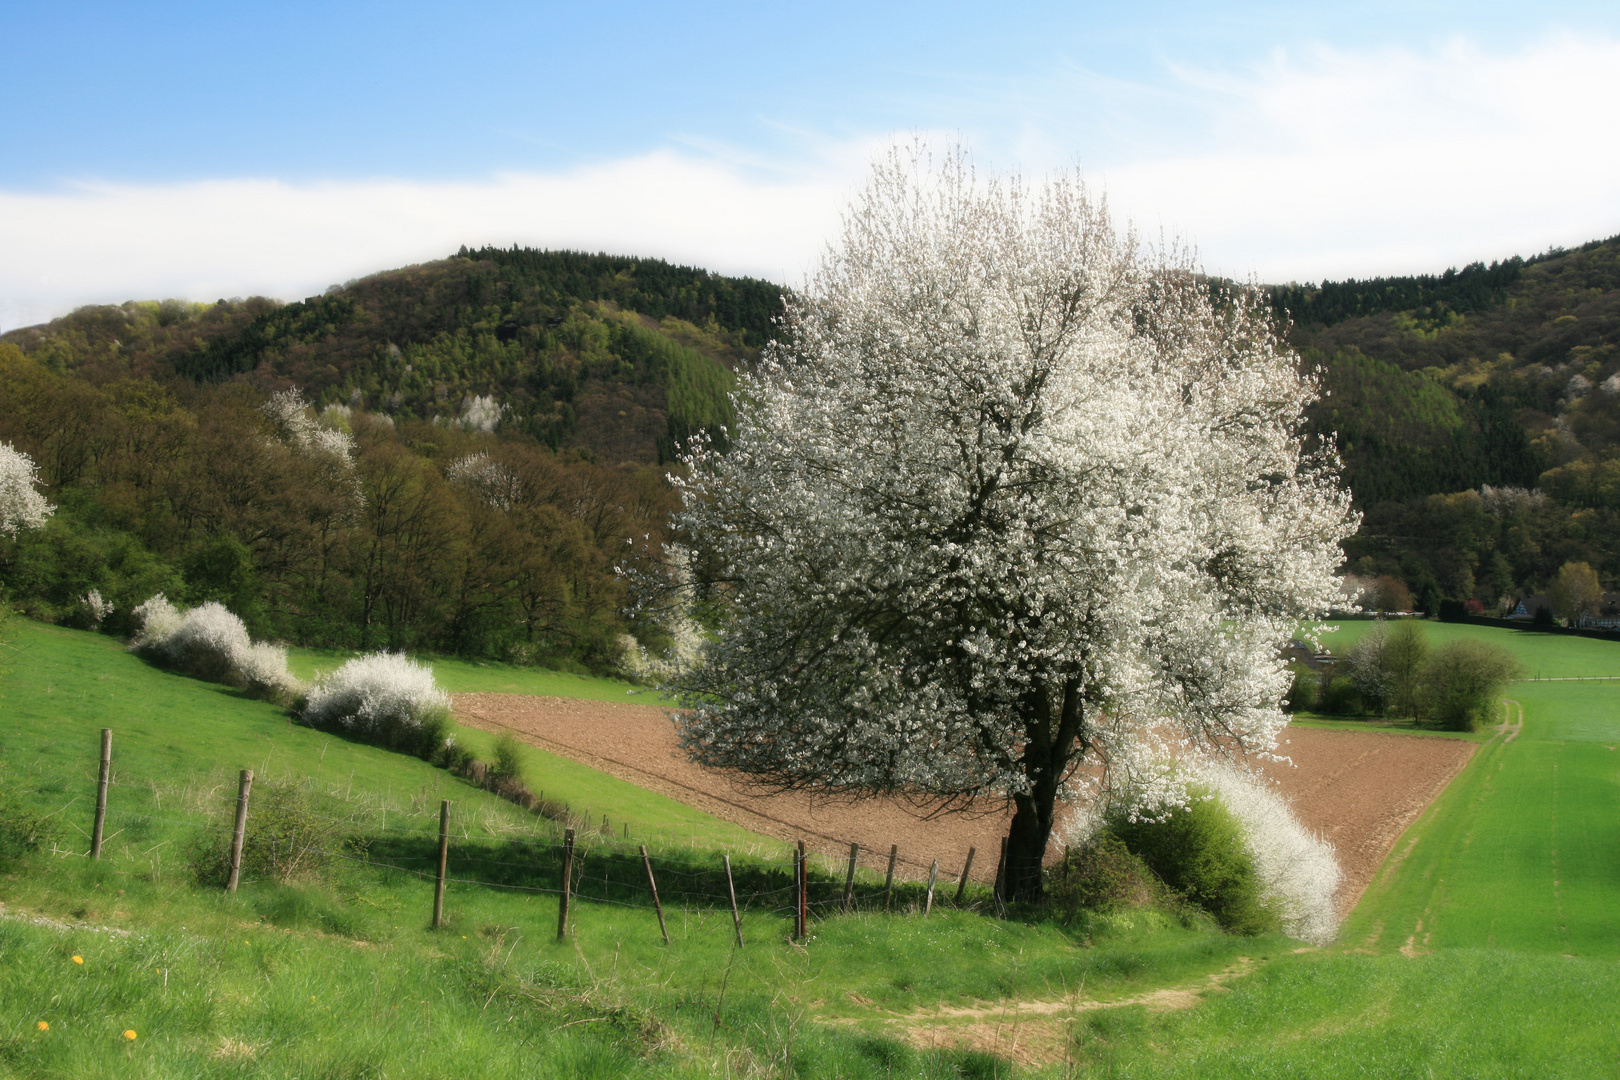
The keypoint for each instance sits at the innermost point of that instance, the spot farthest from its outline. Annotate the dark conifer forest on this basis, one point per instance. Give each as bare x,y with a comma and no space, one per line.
487,441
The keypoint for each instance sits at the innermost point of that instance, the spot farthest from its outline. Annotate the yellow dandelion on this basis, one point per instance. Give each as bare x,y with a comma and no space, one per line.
43,1026
130,1034
78,959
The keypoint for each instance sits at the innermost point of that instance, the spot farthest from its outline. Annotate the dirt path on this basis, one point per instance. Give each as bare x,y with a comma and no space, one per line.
1359,790
1031,1033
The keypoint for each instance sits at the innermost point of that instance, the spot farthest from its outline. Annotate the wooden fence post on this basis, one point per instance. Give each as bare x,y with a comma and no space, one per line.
933,872
888,880
849,878
567,883
1001,873
243,788
801,913
962,885
101,793
653,885
444,858
731,889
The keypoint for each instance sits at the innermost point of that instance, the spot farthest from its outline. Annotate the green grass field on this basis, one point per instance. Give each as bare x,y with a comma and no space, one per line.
1483,948
1544,655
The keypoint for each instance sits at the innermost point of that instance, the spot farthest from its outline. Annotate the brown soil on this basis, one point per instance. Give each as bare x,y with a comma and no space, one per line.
1359,790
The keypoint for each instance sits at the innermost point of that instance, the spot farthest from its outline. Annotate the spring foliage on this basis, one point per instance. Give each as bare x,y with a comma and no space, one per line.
1012,496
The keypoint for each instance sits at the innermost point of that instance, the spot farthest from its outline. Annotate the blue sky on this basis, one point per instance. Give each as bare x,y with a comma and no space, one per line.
226,149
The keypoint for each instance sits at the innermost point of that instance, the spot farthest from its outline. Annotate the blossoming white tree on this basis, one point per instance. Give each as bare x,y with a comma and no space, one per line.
1012,498
21,507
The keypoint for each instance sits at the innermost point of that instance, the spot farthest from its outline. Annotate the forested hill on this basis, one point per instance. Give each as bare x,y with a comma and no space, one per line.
1493,377
618,356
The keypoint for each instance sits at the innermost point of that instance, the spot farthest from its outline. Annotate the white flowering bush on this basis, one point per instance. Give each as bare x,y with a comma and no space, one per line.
1298,874
1293,875
386,698
93,610
210,642
21,507
481,413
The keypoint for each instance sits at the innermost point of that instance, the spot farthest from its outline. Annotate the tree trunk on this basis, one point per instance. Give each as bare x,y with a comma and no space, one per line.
1051,731
1026,847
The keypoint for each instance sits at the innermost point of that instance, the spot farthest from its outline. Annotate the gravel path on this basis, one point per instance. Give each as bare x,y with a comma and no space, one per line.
1358,789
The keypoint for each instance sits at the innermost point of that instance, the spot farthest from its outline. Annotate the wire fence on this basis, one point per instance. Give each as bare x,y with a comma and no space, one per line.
287,826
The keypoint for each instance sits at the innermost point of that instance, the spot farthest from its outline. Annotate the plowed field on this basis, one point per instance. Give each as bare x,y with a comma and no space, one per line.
1358,789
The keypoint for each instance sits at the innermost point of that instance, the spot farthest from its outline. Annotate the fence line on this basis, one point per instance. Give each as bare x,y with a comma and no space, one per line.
716,887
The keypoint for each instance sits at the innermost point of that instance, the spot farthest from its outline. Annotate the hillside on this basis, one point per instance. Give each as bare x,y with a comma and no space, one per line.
1498,377
509,416
617,356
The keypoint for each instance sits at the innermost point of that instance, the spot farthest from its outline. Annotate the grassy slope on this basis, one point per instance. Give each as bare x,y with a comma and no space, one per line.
65,685
1484,947
343,977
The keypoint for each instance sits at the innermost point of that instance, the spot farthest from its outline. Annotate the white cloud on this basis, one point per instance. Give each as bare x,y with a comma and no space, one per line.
1317,163
105,243
1351,164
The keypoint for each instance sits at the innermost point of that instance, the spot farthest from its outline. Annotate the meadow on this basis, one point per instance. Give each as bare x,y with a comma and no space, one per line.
1479,950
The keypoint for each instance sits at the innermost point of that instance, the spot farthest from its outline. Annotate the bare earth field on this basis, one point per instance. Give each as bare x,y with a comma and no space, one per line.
1357,789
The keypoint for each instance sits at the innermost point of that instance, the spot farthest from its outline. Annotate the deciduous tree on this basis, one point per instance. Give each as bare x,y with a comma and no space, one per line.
1012,497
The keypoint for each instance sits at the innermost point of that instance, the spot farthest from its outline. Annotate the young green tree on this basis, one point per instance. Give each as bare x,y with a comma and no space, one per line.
1405,653
1575,592
1463,680
1012,498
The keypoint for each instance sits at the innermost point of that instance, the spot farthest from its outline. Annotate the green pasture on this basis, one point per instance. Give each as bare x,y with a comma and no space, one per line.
65,685
1483,948
1544,655
341,975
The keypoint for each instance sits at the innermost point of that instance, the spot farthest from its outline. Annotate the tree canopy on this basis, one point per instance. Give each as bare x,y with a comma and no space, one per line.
1015,497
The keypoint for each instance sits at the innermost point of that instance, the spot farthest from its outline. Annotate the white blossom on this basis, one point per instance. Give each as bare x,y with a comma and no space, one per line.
489,479
211,642
375,692
481,413
1012,496
95,608
1297,872
21,507
291,415
1611,385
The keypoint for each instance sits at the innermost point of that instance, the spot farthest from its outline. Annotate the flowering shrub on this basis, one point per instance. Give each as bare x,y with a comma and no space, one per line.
93,609
21,507
209,642
481,413
385,698
1228,842
1298,874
